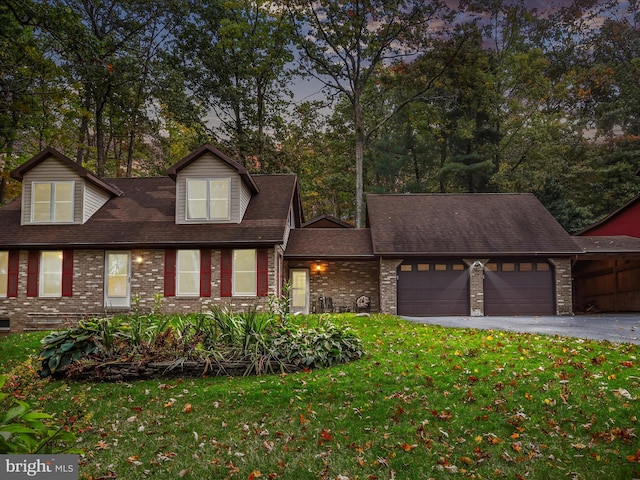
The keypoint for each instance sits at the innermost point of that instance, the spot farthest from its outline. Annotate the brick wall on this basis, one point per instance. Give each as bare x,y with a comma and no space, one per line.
564,290
389,285
343,281
476,286
147,285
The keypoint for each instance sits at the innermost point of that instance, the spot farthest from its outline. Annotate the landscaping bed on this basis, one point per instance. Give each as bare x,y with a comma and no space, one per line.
219,343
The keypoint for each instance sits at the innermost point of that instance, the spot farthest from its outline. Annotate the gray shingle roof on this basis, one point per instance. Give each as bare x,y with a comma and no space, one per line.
329,243
464,224
144,216
608,244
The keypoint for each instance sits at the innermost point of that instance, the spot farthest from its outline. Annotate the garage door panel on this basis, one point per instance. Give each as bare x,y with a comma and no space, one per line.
518,292
434,292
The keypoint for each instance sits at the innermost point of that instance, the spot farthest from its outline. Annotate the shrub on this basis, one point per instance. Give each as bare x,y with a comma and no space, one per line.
23,430
323,346
60,349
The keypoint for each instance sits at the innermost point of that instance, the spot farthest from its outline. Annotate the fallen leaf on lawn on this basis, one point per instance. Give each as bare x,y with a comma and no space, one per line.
634,458
102,445
255,474
184,472
187,408
168,404
326,435
623,393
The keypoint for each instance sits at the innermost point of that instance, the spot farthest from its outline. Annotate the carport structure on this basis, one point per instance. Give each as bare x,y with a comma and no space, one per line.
606,275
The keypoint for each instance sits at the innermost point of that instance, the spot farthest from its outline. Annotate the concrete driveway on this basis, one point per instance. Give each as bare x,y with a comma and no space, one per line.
619,328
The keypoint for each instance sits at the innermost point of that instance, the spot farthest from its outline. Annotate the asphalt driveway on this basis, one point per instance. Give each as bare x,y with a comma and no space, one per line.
619,328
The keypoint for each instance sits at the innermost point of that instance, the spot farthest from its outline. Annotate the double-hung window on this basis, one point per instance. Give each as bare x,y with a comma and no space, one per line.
50,280
49,273
244,273
4,273
208,198
188,273
52,202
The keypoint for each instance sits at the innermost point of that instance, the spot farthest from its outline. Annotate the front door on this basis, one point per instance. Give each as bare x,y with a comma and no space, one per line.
117,288
299,293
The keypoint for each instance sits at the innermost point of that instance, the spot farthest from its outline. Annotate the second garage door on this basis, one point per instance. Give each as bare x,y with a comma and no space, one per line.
519,287
431,288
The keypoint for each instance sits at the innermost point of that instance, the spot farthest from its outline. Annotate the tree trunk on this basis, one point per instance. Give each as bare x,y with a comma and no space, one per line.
83,133
100,150
132,140
359,131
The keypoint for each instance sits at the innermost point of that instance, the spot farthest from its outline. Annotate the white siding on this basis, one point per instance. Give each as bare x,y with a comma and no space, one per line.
94,198
47,171
245,198
208,166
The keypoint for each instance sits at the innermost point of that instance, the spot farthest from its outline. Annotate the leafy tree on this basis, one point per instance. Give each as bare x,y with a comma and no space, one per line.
25,74
235,58
344,43
106,50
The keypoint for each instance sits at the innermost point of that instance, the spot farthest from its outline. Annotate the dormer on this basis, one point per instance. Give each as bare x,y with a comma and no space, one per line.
211,187
56,190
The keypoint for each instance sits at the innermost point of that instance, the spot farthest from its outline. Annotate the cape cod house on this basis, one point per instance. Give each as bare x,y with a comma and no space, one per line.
210,233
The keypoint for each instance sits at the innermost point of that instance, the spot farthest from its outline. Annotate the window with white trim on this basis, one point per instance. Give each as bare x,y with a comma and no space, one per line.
244,272
4,273
52,202
188,273
208,199
50,278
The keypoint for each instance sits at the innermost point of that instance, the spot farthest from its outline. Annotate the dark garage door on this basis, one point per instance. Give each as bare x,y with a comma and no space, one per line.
431,288
518,287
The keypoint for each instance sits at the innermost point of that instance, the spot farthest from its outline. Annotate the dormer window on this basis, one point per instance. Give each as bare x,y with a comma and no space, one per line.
208,198
52,202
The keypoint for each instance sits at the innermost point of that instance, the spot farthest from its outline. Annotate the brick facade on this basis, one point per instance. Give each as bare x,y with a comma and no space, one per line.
476,286
389,285
342,281
147,285
564,287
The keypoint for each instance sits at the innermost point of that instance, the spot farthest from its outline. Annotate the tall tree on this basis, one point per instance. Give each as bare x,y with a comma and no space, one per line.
343,43
24,74
105,48
235,56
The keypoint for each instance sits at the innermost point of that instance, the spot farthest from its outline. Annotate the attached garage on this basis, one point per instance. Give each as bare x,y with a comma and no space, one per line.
519,287
433,287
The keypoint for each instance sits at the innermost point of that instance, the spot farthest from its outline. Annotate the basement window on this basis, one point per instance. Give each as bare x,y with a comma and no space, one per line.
5,324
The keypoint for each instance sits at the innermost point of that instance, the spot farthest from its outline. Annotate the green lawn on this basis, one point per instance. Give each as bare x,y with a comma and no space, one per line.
425,402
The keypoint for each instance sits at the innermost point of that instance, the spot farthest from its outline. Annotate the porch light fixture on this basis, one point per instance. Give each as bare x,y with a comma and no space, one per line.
139,259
